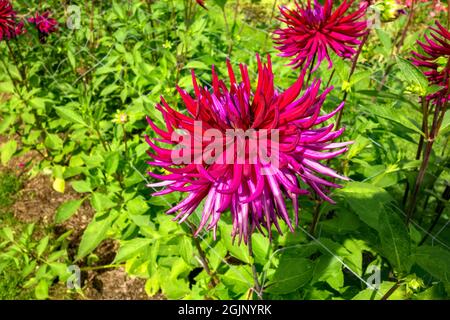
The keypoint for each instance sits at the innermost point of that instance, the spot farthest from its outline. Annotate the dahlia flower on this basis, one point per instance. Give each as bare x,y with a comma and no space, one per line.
435,60
314,30
256,191
8,22
44,24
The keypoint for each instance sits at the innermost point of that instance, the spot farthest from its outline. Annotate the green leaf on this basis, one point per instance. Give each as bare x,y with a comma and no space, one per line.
196,65
112,163
101,202
7,122
412,74
366,200
70,115
172,288
81,186
221,3
41,290
53,141
59,185
238,251
434,260
292,274
94,234
107,91
238,279
7,151
137,206
329,269
385,39
42,245
8,233
67,210
187,250
395,240
132,248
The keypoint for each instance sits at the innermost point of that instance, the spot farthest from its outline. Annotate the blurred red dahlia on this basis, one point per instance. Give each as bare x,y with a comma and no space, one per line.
44,24
254,191
435,59
313,30
7,20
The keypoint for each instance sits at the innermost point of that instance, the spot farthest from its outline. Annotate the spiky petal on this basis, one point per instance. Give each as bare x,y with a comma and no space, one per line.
8,23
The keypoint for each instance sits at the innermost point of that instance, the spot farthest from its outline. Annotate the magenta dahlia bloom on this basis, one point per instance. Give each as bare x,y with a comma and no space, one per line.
44,24
313,30
255,192
435,59
7,20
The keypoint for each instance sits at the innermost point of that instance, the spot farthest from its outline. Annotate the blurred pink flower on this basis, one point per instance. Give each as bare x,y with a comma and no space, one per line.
435,59
9,27
313,30
44,24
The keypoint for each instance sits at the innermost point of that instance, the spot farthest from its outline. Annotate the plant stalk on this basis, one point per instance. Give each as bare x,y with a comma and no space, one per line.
256,286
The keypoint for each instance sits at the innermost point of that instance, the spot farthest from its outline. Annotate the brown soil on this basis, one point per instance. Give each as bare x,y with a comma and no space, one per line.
37,203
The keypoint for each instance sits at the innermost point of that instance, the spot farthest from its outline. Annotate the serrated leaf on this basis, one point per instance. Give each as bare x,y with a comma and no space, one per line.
366,200
81,186
434,260
53,141
412,74
292,273
7,151
137,206
42,245
112,163
94,234
238,278
101,202
67,210
131,248
395,240
70,115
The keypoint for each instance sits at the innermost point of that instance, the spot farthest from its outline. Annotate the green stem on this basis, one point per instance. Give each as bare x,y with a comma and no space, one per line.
391,290
425,133
430,139
439,210
256,286
352,70
202,256
109,266
408,24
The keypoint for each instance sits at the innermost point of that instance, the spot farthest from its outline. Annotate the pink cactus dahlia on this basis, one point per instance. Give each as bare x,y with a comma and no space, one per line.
435,60
314,30
254,192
